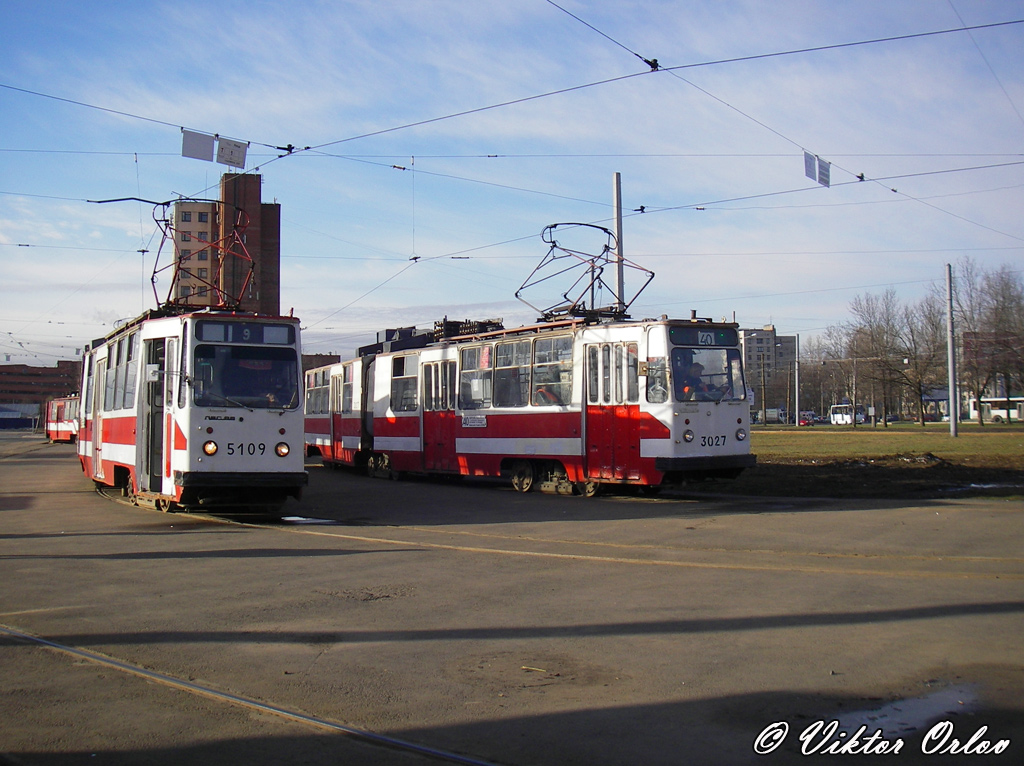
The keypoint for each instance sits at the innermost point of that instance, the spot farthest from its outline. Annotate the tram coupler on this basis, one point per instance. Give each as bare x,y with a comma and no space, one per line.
557,485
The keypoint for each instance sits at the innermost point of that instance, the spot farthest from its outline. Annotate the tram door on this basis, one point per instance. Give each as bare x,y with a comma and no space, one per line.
612,407
153,414
439,419
97,419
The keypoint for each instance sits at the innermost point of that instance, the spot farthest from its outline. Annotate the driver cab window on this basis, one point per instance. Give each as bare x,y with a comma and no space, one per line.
707,375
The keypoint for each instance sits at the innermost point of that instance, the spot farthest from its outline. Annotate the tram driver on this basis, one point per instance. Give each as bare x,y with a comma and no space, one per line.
693,383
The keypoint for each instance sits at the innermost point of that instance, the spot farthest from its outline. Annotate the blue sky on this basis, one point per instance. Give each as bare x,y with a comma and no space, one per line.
711,146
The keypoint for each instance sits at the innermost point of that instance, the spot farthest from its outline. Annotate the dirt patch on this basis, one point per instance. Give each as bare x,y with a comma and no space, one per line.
505,674
884,476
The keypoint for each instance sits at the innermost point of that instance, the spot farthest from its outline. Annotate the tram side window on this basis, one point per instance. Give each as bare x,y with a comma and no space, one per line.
431,395
552,370
657,380
613,374
632,373
403,383
439,386
113,360
475,378
593,374
512,374
122,367
317,390
87,393
323,391
346,389
131,370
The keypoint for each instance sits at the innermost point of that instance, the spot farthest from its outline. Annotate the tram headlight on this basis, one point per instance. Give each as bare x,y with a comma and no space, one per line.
282,449
741,434
210,448
688,436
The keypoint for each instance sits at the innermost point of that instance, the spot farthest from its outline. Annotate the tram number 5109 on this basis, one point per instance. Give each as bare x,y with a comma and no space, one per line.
712,441
246,448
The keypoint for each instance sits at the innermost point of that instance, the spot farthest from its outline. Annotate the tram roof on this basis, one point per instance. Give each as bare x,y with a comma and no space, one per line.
424,339
177,310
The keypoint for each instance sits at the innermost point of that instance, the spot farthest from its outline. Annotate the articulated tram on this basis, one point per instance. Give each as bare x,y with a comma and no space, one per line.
189,408
565,406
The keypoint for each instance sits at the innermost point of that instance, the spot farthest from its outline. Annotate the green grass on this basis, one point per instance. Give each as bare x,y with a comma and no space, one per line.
990,445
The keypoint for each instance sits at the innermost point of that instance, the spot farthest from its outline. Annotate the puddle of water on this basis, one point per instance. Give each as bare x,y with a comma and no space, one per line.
984,486
909,715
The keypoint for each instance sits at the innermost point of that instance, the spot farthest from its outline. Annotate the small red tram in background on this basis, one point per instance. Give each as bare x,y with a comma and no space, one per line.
565,406
62,419
184,407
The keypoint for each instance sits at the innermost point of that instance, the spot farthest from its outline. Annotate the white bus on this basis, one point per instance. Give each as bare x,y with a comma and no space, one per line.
842,415
998,409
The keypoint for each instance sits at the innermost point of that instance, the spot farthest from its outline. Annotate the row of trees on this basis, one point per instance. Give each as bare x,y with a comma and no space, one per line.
893,355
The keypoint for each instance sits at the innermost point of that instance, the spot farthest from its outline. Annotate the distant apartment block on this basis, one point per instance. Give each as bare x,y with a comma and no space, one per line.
28,388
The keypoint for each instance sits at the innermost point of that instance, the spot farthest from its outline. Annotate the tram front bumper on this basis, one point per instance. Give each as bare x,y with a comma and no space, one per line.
204,479
704,463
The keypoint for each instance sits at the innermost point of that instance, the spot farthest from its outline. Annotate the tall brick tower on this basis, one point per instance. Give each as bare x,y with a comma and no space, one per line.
216,262
260,233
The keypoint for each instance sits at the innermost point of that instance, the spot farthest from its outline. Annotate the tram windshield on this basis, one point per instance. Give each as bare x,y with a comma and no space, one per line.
707,375
255,377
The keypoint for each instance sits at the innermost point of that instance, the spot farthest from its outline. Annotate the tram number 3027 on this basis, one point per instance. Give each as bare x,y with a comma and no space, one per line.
246,448
712,441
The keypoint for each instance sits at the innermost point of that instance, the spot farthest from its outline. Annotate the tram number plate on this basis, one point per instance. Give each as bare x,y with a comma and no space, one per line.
247,448
712,441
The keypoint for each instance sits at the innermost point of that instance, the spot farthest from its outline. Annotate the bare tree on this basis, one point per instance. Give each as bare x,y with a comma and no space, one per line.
838,367
816,391
1004,304
922,341
878,347
990,318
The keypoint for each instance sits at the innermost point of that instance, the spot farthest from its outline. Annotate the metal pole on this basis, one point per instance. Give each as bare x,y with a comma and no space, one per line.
954,397
796,381
854,404
620,276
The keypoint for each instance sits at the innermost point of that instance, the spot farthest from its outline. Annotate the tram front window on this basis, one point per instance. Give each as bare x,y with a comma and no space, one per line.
255,377
707,375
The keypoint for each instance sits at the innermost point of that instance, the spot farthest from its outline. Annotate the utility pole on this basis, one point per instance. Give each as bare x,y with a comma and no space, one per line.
954,396
620,276
796,382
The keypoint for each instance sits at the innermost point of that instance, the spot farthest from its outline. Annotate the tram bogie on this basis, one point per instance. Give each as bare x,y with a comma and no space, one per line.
196,410
564,407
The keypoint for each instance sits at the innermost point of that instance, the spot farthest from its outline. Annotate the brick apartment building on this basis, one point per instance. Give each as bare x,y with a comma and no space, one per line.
25,389
214,259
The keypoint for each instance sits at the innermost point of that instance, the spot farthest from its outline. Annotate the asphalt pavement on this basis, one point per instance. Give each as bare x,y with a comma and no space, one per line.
425,621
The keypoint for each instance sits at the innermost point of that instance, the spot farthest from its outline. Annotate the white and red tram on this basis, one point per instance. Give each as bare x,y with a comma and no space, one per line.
62,419
565,406
196,408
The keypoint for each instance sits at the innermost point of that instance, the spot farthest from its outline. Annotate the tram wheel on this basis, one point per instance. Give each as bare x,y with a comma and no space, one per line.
522,476
588,488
